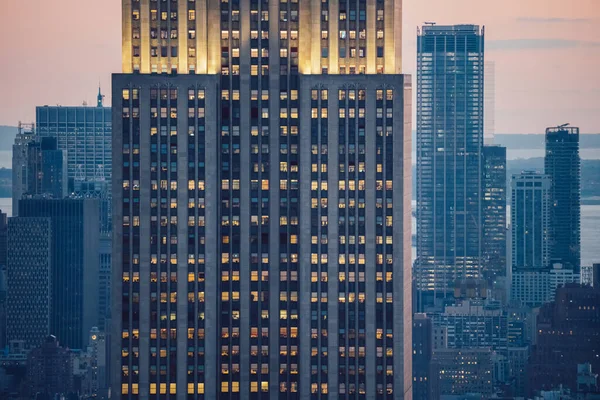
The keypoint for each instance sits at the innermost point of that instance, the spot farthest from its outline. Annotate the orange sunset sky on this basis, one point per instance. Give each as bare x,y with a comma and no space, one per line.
546,52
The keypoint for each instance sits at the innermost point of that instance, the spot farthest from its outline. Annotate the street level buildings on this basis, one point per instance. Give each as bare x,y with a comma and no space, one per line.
494,213
568,334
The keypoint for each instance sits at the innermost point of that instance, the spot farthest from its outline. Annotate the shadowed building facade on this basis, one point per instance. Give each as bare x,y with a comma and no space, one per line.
261,183
494,212
563,165
70,272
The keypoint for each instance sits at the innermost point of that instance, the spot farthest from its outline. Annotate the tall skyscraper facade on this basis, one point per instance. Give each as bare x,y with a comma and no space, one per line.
563,165
261,201
490,102
74,265
494,212
450,68
29,278
85,134
530,221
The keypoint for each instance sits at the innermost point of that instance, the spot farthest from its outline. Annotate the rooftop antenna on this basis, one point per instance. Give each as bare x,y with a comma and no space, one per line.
564,125
429,23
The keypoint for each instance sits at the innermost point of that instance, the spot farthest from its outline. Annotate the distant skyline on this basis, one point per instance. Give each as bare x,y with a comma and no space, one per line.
547,56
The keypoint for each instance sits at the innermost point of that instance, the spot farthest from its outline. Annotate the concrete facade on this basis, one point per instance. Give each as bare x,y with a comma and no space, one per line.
261,198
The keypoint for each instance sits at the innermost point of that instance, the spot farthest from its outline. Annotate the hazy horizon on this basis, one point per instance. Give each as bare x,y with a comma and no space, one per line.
546,55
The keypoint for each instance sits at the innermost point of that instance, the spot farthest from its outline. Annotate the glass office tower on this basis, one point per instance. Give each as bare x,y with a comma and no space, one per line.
261,201
449,158
563,165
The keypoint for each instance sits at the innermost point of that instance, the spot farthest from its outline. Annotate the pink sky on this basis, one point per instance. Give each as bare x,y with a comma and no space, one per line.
547,55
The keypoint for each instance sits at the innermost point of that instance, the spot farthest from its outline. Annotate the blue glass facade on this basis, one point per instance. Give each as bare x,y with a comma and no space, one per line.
563,165
494,212
449,157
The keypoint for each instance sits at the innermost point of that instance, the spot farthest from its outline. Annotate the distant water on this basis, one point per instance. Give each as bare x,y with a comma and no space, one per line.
515,154
6,206
590,232
5,159
518,154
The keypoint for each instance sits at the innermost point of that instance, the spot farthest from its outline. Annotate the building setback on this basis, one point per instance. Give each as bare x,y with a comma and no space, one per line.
74,265
563,165
261,187
450,71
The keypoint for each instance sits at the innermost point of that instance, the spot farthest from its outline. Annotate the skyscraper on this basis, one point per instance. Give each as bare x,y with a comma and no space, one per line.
74,261
563,165
494,212
25,135
534,276
530,221
50,369
261,201
85,134
490,102
450,68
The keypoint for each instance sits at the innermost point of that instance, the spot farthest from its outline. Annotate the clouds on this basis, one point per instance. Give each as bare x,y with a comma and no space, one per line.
538,44
539,20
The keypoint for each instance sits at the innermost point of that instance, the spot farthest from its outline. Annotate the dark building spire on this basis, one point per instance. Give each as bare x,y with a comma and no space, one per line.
100,96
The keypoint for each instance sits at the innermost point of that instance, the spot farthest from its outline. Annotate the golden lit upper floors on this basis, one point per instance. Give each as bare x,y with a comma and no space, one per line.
228,36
